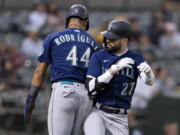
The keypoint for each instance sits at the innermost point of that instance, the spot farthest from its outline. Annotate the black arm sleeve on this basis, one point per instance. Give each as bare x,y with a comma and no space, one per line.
95,87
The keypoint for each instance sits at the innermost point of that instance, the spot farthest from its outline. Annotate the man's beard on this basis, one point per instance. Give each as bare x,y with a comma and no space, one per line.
112,48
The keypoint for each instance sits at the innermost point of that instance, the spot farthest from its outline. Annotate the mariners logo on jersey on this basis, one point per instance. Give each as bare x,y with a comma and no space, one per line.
123,84
68,52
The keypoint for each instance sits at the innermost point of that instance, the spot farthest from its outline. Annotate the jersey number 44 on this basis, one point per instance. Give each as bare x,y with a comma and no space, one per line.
73,56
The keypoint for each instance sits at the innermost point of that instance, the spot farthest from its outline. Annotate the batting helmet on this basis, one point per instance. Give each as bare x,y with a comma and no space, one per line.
118,29
79,11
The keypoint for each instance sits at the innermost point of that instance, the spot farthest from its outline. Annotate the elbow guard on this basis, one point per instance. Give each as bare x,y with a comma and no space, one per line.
95,87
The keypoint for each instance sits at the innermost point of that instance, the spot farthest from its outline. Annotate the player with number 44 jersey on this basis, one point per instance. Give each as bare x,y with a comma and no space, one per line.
68,52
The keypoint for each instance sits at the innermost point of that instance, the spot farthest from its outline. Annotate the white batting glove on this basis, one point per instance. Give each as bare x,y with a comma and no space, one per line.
125,62
144,67
146,73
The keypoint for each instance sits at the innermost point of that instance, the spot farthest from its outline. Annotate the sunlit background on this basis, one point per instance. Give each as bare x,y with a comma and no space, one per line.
25,23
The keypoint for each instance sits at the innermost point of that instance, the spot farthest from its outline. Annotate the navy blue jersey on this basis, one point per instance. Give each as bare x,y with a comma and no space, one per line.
68,52
121,87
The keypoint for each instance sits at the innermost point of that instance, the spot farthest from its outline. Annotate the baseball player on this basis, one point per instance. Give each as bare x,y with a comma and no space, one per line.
68,52
111,80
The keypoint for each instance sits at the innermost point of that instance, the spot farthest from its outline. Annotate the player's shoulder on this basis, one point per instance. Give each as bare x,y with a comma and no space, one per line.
137,57
78,31
100,53
134,54
54,34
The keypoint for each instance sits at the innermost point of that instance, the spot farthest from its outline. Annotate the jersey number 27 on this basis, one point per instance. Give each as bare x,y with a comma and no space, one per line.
73,56
127,88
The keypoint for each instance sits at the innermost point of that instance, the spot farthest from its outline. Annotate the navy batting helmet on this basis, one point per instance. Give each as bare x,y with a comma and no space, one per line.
118,29
79,11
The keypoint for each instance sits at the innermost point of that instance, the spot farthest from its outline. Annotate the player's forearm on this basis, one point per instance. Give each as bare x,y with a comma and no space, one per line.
37,81
38,78
111,72
39,75
106,77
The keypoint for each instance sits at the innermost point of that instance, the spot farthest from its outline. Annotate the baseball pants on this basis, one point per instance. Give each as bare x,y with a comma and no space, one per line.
69,106
102,123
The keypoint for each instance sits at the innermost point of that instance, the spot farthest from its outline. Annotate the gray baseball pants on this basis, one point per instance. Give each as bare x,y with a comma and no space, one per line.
68,108
102,123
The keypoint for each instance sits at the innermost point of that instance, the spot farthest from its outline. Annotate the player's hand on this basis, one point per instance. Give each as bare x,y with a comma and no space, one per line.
125,62
28,108
144,67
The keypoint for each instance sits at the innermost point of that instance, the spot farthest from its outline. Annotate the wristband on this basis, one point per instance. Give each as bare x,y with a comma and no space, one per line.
33,92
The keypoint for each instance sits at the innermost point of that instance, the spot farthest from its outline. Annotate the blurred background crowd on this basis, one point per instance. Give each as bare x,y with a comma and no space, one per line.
156,35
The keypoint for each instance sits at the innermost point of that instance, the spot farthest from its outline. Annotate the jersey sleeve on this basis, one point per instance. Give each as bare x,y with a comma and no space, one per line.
95,66
96,47
45,55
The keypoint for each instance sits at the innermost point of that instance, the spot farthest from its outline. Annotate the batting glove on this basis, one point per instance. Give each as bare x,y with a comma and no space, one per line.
144,67
146,73
30,103
28,108
122,63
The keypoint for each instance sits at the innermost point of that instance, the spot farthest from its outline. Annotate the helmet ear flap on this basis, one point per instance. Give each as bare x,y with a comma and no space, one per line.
87,25
67,22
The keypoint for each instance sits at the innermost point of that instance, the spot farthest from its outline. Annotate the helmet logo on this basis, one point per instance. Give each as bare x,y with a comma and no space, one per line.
76,11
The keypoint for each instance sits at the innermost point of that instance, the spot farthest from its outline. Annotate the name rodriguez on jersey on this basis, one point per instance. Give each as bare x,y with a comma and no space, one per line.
77,38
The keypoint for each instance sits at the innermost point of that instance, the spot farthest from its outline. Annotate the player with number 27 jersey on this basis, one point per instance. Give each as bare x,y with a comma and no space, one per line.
121,87
111,80
68,52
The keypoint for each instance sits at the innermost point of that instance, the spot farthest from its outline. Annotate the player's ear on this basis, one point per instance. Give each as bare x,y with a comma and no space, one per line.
85,23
